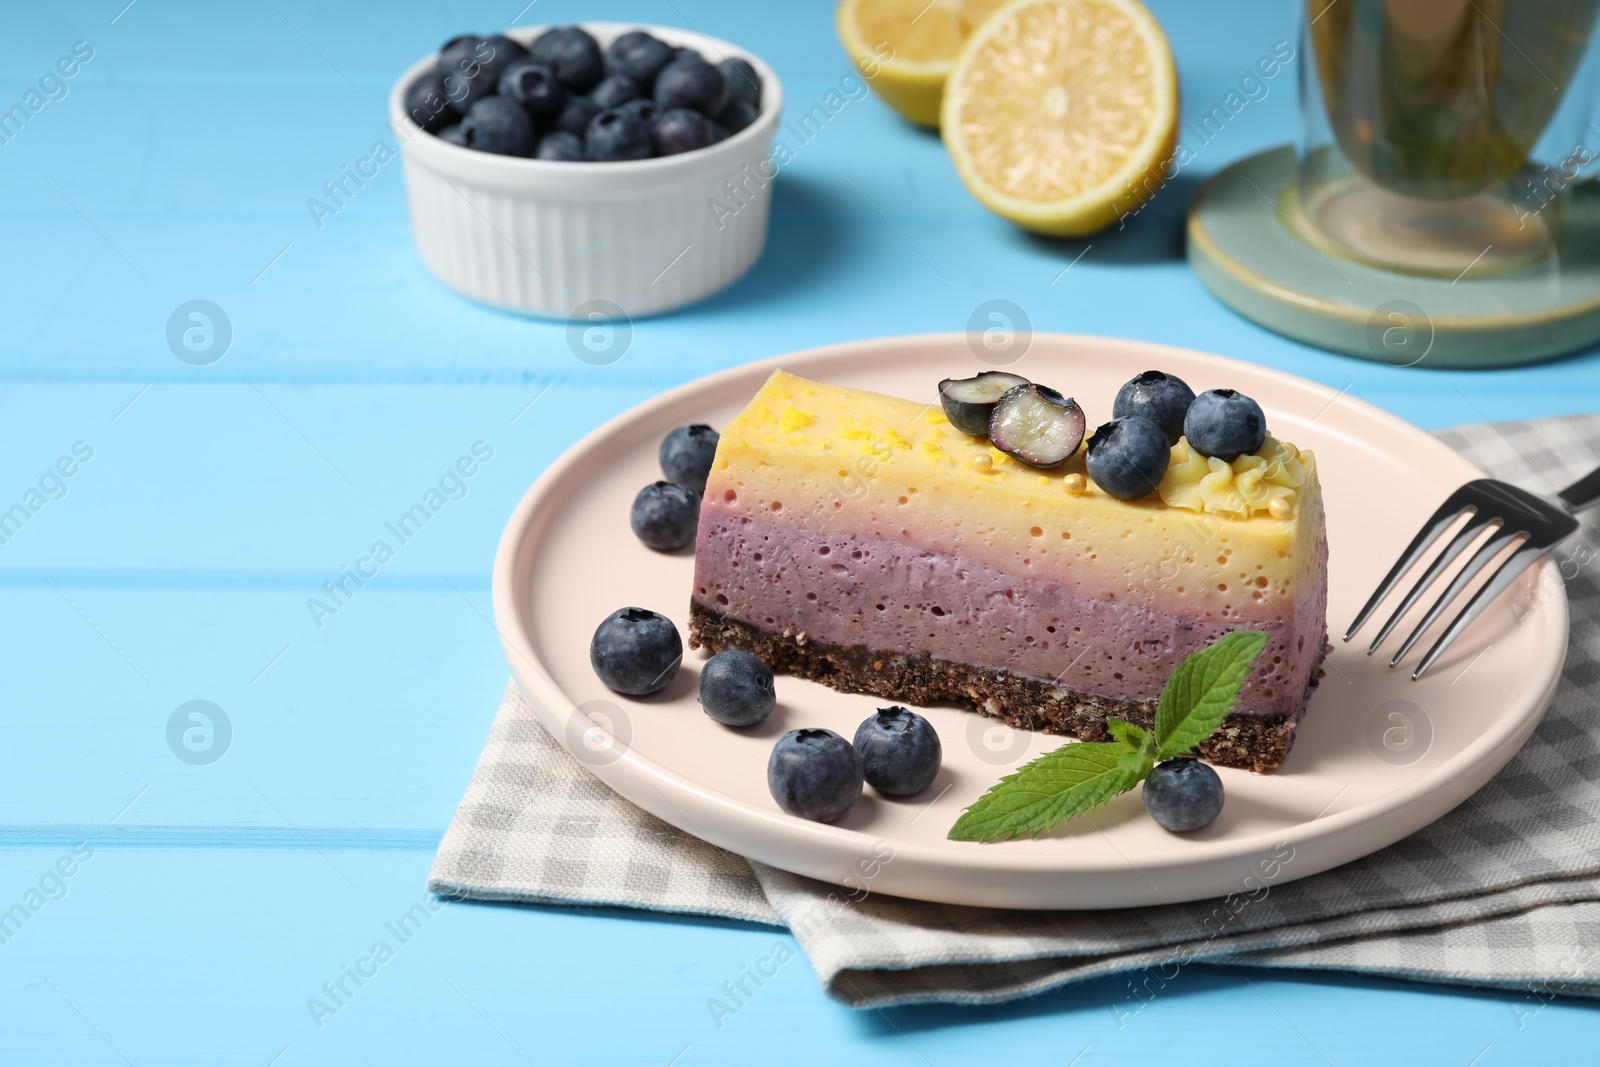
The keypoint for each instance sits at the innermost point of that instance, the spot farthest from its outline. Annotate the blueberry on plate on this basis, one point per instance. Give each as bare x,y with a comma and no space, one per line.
617,135
560,147
572,54
453,135
1037,425
743,81
687,454
636,651
1225,423
615,90
639,56
968,402
665,515
680,130
535,87
814,774
1128,457
689,81
1183,794
644,109
498,124
900,752
576,116
738,114
428,104
1162,398
736,688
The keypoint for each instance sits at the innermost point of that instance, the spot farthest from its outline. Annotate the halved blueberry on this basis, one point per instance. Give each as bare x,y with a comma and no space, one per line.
1128,457
1162,398
1225,423
1037,425
968,402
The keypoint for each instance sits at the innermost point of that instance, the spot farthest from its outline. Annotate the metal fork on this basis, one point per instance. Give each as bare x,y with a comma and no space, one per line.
1508,513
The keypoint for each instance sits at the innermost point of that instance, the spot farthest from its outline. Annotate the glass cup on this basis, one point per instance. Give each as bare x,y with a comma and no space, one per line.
1443,135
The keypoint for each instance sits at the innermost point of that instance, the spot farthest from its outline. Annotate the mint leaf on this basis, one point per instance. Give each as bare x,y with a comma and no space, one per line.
1072,780
1202,690
1129,734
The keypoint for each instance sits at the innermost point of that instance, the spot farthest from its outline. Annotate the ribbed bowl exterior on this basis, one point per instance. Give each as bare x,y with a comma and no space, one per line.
552,239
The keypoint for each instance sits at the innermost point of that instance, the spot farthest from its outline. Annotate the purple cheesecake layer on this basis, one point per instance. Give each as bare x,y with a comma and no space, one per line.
850,590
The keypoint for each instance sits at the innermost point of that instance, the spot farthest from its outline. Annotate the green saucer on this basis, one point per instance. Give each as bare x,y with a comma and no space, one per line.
1245,250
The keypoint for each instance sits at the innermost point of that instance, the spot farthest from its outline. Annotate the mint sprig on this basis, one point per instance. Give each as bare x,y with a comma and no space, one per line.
1080,777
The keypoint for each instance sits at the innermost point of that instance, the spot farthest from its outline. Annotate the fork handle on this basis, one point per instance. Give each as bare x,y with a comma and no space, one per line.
1583,492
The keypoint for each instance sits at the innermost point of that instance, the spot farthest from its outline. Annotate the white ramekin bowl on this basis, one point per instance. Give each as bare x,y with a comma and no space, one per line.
559,239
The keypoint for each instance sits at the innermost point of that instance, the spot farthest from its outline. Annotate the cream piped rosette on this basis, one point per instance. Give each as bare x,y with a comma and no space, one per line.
1264,482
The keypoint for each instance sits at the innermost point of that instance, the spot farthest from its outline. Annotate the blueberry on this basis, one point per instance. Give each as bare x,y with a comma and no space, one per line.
1037,425
687,453
814,774
1183,794
561,147
689,81
636,651
969,402
534,87
664,515
1160,397
576,116
639,56
680,130
428,104
736,688
1128,457
499,125
617,135
503,52
643,109
468,65
743,81
1225,423
719,132
737,115
614,91
453,135
900,751
572,54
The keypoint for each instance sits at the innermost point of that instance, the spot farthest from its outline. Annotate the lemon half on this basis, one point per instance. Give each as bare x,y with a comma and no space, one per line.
1061,115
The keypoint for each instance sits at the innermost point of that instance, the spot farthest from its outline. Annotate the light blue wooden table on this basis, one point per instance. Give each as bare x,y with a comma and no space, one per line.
176,561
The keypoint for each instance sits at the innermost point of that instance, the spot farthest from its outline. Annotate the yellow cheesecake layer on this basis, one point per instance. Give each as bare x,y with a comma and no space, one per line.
827,457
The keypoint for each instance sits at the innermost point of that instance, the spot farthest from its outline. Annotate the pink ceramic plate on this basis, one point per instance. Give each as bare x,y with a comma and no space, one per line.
1378,757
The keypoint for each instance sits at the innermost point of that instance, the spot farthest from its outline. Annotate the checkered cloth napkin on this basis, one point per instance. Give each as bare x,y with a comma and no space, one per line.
1504,891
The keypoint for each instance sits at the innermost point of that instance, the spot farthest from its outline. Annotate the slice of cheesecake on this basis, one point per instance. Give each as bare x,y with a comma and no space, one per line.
861,541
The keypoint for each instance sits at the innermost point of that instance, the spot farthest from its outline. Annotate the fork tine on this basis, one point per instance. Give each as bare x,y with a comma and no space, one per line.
1457,545
1520,561
1447,513
1480,559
